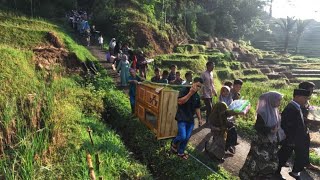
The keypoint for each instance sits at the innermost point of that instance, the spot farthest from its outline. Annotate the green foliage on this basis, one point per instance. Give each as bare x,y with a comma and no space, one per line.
250,71
44,116
196,63
225,74
314,158
190,48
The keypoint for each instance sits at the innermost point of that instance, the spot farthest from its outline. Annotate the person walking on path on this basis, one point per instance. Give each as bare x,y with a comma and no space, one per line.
309,86
133,81
262,160
235,90
208,90
297,134
218,120
188,106
100,41
124,66
112,45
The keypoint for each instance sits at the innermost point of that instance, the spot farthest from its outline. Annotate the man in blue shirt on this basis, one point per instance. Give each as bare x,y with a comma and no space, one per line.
188,106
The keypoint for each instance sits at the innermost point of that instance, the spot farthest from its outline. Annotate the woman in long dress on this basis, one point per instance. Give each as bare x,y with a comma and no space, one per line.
215,147
124,66
262,160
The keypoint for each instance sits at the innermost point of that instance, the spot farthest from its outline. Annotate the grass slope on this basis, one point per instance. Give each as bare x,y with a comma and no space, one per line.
44,116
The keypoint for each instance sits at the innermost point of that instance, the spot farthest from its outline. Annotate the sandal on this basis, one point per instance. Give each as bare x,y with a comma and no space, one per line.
183,156
174,148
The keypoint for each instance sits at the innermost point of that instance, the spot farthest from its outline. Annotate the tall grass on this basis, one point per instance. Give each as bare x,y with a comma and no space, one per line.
43,120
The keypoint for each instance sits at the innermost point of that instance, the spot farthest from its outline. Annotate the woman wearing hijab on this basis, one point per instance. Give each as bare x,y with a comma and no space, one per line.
232,134
215,147
124,69
262,160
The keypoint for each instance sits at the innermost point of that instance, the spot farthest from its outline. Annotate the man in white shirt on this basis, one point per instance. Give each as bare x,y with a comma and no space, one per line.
208,90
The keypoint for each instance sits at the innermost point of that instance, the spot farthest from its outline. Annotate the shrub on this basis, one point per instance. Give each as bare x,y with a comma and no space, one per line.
190,48
234,65
250,71
225,74
196,63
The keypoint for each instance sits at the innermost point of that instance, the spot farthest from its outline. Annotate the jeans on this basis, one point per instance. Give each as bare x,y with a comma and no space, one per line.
132,103
184,134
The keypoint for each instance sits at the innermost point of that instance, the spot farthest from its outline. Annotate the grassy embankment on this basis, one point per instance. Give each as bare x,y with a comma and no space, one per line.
45,112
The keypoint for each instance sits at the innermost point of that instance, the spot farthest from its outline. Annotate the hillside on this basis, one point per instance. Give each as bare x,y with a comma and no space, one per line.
47,105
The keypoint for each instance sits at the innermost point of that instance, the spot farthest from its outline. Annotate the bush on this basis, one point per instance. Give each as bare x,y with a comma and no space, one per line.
225,74
190,48
234,65
250,71
196,63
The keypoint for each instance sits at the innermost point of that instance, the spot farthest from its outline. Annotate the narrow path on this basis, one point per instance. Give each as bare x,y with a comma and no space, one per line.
101,56
233,163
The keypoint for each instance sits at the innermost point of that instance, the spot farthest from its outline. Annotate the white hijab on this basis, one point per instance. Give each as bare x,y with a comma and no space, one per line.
267,109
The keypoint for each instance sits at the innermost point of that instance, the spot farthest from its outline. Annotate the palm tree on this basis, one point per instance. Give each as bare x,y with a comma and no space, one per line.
287,26
301,27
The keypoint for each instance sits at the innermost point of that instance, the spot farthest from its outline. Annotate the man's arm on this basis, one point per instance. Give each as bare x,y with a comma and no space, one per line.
185,98
198,113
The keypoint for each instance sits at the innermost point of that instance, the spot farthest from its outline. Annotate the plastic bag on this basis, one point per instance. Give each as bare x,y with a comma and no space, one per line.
240,106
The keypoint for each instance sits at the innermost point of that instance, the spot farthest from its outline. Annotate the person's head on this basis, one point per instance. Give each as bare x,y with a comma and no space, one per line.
165,74
225,91
132,72
228,83
219,108
210,66
157,72
301,96
237,84
178,75
173,68
188,76
197,82
267,108
307,85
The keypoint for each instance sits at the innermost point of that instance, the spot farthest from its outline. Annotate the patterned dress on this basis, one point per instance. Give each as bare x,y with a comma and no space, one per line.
262,160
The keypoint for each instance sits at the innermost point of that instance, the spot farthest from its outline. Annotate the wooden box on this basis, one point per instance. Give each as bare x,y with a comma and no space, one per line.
157,110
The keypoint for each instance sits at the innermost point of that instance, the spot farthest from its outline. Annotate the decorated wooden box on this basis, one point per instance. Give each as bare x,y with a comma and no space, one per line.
156,107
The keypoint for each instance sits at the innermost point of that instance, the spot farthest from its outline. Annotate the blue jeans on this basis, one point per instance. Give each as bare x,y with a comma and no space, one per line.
184,134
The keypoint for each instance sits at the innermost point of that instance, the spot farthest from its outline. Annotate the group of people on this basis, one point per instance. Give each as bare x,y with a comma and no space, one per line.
78,20
224,135
278,135
287,130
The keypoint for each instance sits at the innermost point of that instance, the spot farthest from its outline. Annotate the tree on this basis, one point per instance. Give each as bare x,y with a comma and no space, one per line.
286,26
301,27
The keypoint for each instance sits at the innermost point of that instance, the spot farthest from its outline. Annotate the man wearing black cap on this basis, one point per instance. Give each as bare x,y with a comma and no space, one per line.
307,85
293,124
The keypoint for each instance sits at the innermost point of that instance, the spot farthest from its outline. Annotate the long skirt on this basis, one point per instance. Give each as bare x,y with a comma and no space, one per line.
215,147
262,160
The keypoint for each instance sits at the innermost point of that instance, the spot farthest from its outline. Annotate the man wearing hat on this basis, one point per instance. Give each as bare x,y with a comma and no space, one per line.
307,85
293,124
